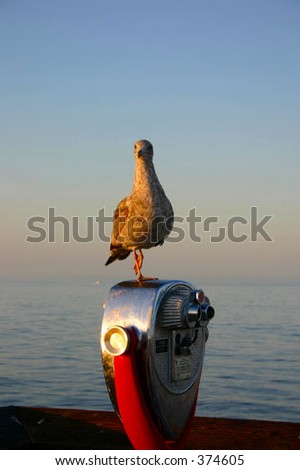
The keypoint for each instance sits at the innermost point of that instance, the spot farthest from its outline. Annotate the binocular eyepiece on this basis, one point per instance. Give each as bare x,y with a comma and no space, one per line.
181,311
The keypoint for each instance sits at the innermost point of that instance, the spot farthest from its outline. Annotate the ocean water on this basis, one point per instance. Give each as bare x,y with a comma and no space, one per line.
50,356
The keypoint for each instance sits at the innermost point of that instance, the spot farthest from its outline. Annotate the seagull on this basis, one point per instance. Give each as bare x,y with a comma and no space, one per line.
145,218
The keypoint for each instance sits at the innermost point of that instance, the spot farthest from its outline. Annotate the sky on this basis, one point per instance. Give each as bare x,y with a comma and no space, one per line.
213,84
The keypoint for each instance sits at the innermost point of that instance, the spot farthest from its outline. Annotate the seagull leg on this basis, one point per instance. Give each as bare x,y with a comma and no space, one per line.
136,267
140,259
138,262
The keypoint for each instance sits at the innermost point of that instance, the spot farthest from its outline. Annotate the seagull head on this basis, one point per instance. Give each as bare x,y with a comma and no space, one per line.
143,148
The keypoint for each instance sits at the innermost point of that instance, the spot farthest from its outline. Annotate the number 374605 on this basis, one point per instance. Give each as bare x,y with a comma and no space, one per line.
209,459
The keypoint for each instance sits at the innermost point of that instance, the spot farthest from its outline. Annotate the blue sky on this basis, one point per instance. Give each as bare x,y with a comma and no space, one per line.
214,85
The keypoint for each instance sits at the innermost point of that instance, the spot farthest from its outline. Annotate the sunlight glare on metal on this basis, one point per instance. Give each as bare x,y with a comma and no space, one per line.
116,340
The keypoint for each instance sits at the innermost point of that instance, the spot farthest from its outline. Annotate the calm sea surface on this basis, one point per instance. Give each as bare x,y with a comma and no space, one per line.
49,349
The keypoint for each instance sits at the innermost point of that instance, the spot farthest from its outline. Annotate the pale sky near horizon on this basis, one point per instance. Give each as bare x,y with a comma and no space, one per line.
213,84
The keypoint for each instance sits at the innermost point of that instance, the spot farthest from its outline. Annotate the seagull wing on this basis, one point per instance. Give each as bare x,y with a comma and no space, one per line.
118,248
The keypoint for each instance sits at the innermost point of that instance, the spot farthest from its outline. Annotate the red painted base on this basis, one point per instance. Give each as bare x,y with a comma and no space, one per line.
136,418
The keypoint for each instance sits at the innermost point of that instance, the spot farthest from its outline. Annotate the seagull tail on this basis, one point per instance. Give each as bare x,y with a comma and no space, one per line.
117,254
110,260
